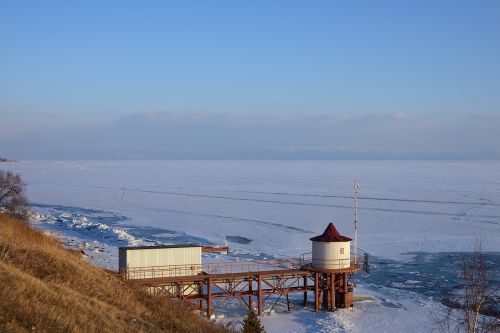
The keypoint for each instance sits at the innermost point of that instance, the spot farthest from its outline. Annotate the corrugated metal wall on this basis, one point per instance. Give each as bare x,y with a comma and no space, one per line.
163,257
188,260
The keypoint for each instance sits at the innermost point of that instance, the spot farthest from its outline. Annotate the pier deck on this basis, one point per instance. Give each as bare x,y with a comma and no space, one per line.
246,281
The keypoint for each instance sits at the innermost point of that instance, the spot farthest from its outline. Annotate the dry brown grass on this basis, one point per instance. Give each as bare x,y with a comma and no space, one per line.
47,288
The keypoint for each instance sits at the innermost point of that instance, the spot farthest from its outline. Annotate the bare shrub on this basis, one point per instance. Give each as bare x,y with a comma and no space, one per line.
467,312
12,194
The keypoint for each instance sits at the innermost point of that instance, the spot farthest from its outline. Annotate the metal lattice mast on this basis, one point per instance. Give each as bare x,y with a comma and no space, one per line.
356,199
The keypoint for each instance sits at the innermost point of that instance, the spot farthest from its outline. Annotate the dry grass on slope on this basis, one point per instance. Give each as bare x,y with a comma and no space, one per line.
47,288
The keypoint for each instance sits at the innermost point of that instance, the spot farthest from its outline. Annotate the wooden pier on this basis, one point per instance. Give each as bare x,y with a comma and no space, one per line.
248,281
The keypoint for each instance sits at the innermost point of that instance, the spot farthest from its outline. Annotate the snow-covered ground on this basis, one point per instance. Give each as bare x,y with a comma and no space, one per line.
389,311
271,208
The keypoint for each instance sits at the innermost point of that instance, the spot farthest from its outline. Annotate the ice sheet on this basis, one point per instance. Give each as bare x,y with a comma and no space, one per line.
405,206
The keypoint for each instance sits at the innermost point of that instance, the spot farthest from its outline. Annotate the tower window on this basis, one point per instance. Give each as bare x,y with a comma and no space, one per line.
342,251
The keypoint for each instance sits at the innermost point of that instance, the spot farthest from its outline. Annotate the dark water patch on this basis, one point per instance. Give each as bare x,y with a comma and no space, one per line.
435,275
238,239
147,231
392,305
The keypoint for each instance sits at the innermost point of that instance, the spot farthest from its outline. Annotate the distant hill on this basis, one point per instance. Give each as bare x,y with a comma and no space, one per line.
48,288
2,159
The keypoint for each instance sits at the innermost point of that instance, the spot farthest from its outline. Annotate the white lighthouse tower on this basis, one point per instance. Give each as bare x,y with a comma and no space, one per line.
331,250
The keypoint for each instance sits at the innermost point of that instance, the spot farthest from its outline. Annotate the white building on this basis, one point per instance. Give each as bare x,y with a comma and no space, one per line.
331,250
145,262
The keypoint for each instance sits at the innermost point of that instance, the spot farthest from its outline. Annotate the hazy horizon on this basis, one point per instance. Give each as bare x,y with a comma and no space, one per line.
250,80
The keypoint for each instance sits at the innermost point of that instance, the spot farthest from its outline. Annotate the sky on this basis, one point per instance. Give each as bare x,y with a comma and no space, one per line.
250,79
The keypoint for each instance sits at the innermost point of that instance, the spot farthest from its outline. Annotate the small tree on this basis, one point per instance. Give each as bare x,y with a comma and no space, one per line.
477,290
12,194
252,323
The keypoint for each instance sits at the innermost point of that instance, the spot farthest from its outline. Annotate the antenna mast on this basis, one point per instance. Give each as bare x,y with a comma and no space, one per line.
356,199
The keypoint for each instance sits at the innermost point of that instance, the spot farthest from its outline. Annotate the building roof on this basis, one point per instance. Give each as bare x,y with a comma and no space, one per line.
331,235
158,247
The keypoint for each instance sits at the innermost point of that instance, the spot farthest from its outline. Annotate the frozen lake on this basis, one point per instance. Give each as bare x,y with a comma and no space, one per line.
274,207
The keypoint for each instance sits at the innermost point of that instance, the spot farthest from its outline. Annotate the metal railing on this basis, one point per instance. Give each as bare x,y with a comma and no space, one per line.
232,267
211,268
332,264
161,271
251,266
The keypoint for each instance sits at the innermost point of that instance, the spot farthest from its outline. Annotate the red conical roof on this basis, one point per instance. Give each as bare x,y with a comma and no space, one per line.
331,235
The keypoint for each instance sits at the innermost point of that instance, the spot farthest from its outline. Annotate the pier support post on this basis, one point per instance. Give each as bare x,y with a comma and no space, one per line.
200,295
316,292
259,295
326,291
332,291
250,298
305,290
209,297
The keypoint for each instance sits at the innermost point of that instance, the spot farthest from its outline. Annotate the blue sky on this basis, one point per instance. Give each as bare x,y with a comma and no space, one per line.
423,71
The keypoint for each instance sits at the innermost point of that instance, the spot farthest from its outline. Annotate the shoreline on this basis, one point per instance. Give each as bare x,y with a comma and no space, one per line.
384,303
